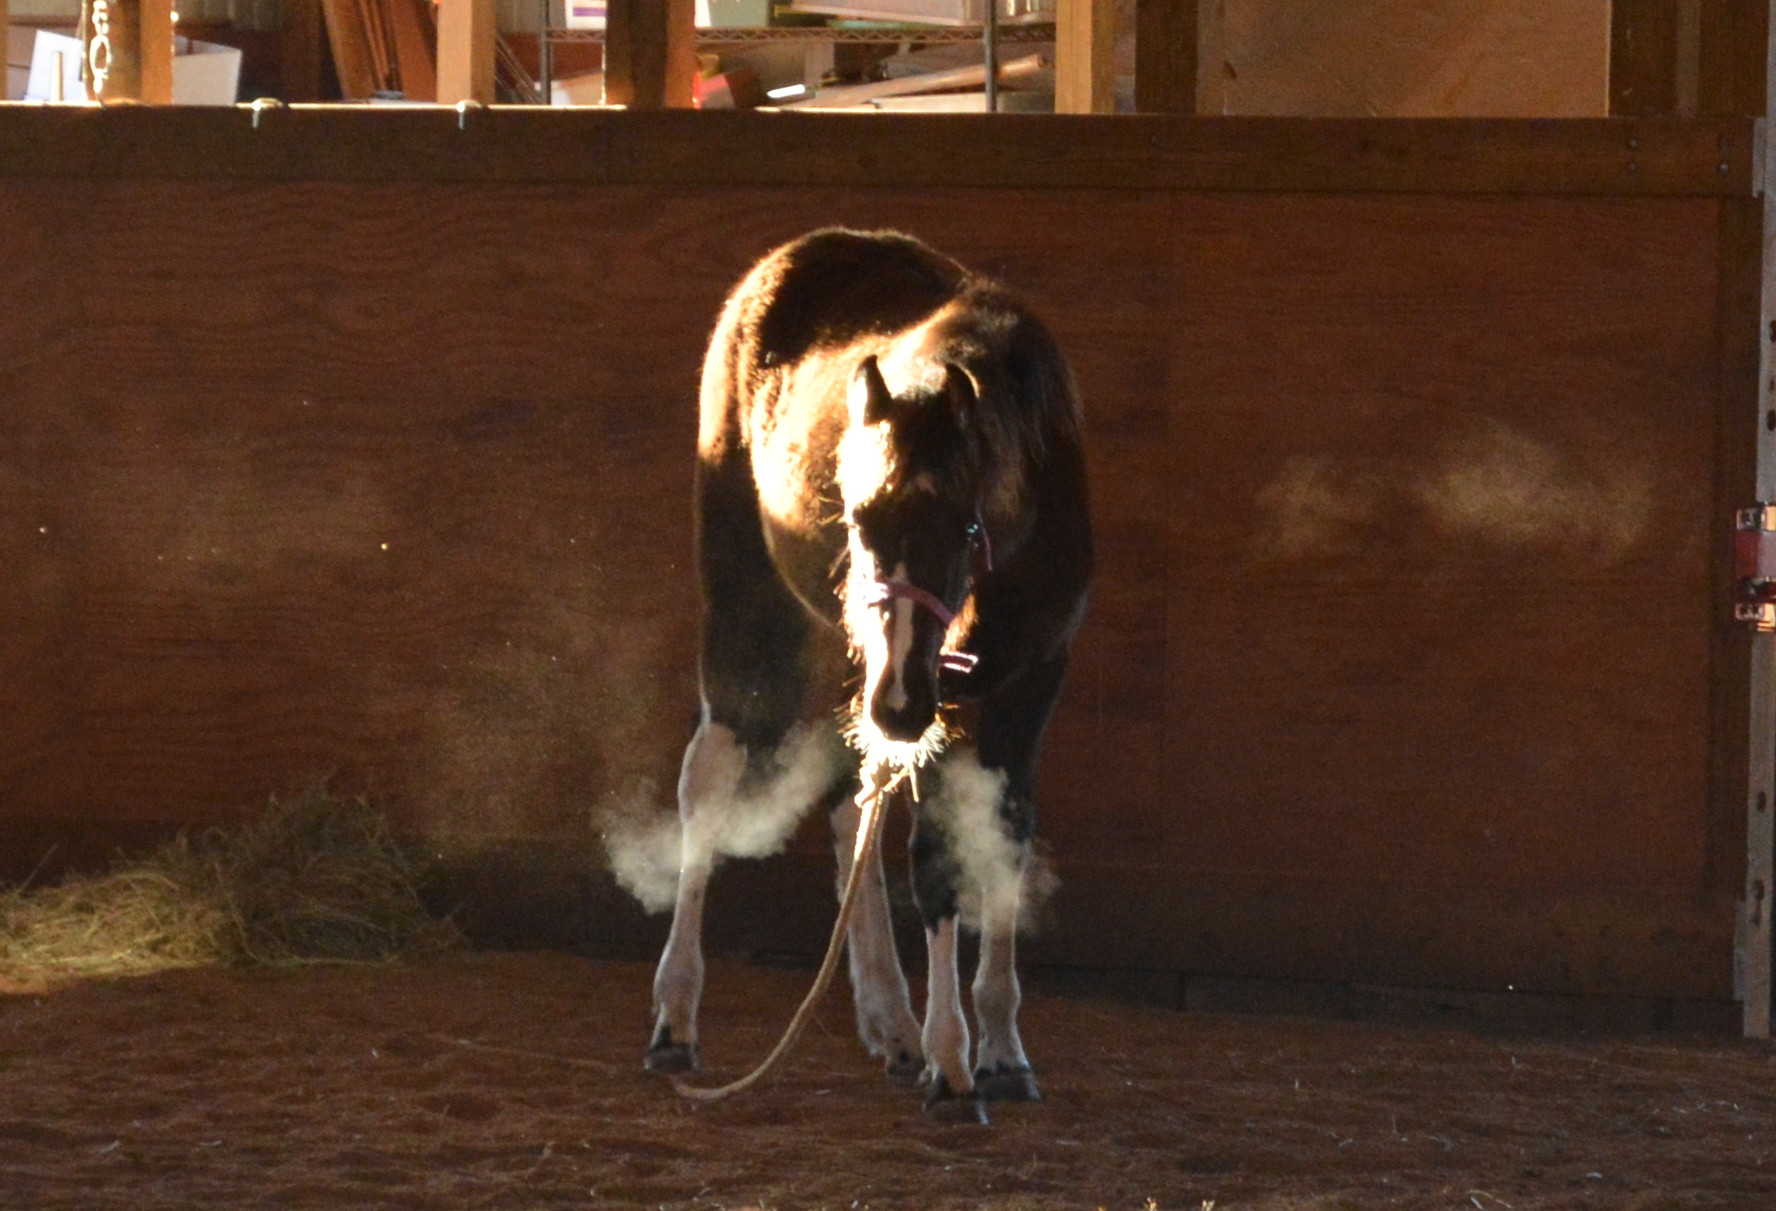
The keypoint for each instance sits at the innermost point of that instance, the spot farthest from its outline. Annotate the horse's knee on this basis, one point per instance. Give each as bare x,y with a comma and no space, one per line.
934,871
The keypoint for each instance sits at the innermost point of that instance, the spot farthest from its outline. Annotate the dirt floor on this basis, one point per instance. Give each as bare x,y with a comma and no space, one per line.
514,1081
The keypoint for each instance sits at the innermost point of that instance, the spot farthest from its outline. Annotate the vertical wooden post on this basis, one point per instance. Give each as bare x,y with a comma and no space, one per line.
300,50
1085,57
1752,954
1211,56
140,38
1643,57
467,32
650,53
1730,67
1165,56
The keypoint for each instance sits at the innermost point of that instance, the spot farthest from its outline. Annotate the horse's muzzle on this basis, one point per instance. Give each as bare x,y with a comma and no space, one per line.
906,716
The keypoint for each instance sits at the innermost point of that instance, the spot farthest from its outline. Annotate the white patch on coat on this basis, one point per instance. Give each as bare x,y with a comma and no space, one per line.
945,1036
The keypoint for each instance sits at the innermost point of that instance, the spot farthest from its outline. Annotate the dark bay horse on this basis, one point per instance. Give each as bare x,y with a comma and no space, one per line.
891,513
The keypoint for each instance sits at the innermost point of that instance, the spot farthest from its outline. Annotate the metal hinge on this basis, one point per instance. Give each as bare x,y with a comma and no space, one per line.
1760,157
1754,568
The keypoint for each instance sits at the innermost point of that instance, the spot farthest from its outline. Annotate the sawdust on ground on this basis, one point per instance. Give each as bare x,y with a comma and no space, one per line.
514,1081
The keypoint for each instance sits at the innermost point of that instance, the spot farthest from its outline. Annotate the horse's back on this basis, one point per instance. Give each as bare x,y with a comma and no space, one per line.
825,290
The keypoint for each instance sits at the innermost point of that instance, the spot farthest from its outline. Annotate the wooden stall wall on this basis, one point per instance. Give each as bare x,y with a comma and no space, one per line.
1406,480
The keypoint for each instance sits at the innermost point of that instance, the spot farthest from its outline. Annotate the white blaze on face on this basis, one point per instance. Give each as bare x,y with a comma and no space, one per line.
900,641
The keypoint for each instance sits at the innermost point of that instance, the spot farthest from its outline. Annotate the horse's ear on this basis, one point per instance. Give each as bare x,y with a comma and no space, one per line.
869,398
959,390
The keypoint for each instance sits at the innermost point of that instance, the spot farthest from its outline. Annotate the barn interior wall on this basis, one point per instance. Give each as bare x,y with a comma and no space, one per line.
1405,58
1398,666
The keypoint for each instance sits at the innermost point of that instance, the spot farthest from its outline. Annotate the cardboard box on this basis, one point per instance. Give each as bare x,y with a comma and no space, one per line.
48,53
17,49
203,72
584,89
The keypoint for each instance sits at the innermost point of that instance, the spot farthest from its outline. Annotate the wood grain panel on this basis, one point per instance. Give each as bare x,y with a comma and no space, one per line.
1398,663
1440,556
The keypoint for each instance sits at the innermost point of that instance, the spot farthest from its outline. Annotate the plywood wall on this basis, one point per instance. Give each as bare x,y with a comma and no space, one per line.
1405,58
1398,668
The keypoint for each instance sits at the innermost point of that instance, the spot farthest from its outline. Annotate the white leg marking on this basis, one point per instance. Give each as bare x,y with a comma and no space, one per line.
885,1018
716,821
946,1030
996,992
713,764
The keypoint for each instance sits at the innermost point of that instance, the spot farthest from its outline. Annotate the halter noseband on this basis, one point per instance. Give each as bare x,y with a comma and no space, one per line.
881,592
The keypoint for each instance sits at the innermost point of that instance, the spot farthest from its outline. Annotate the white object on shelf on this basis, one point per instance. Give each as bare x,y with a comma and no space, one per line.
203,72
934,12
590,14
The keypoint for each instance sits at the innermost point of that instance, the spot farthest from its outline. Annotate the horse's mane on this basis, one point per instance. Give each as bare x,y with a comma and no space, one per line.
1024,400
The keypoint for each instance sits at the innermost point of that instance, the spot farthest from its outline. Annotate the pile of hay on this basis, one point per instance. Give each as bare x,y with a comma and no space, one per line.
316,879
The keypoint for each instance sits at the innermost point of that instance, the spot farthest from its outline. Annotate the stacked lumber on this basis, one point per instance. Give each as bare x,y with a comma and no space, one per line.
390,48
939,85
384,47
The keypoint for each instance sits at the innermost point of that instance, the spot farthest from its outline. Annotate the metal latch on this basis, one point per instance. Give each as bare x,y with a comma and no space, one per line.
1754,568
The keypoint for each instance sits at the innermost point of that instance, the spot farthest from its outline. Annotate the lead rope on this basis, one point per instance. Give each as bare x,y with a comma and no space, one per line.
880,779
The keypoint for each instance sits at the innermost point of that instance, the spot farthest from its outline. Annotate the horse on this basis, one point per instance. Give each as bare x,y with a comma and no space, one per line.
894,551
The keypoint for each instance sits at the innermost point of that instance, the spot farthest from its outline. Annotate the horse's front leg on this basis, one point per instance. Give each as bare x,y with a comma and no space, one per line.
1012,721
950,1091
1002,1072
885,1018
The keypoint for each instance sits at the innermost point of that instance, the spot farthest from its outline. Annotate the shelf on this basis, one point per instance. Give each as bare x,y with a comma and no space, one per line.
740,36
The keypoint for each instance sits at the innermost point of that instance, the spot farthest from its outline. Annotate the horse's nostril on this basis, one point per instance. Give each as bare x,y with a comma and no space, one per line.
901,725
905,721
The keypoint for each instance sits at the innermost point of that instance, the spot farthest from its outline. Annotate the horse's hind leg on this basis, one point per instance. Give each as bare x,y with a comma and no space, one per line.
885,1018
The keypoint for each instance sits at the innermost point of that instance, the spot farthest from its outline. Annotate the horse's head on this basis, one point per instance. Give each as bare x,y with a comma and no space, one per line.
910,480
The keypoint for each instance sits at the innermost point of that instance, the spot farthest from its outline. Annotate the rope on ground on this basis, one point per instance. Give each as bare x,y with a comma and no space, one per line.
880,778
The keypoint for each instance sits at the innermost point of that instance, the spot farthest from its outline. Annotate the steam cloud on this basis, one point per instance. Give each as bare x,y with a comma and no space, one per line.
732,820
645,845
996,879
1489,481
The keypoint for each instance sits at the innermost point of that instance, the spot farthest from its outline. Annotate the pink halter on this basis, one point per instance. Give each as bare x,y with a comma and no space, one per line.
882,591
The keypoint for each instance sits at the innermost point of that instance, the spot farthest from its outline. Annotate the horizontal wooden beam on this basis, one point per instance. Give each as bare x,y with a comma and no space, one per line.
1639,157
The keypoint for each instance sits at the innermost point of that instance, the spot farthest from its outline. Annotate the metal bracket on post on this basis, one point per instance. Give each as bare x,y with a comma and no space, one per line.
1754,568
1754,581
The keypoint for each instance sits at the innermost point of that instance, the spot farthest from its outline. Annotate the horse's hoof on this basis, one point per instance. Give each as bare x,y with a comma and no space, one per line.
663,1055
905,1068
944,1105
1007,1084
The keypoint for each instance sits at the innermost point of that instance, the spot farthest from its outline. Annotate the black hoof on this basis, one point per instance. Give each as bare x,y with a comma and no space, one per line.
663,1055
905,1068
944,1105
1007,1084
